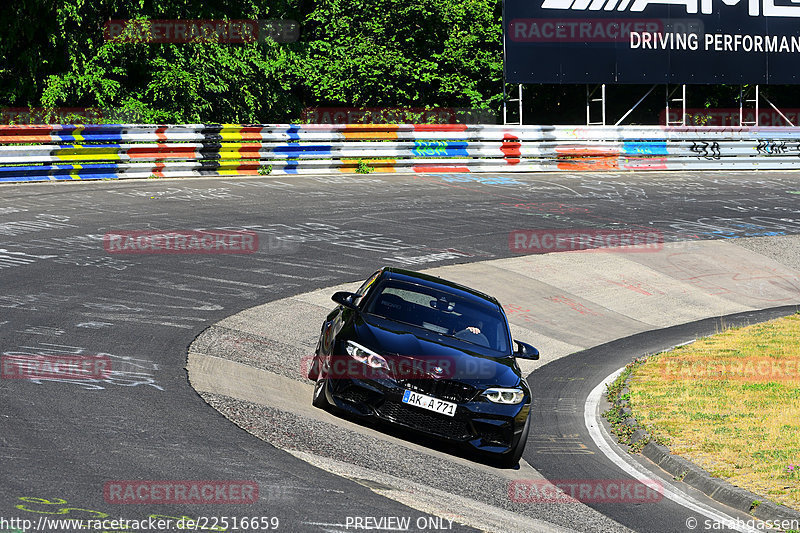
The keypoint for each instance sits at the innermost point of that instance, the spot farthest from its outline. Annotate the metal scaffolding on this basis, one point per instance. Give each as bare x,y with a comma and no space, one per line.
675,98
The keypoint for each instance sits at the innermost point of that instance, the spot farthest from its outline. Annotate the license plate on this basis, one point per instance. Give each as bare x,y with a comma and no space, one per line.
430,403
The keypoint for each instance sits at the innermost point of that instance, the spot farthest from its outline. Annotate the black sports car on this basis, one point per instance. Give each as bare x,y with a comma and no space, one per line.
427,354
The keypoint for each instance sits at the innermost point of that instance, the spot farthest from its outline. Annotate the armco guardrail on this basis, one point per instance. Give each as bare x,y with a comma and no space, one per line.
68,152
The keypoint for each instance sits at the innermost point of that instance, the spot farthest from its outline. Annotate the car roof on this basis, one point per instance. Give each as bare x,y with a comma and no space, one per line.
438,283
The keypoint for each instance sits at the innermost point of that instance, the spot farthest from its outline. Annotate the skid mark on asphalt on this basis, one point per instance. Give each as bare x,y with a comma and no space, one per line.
10,259
558,445
126,371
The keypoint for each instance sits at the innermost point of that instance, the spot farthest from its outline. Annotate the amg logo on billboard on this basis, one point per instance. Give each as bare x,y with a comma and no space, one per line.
754,7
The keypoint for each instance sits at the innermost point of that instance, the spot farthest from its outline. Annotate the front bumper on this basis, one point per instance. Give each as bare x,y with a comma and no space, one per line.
478,424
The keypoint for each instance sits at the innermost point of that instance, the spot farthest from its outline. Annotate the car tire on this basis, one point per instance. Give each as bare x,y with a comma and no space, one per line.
319,399
511,459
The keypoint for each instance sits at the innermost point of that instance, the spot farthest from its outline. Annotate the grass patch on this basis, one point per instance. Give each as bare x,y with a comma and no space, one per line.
731,404
363,168
617,419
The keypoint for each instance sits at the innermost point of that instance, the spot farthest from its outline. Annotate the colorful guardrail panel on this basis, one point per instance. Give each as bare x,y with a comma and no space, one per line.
113,151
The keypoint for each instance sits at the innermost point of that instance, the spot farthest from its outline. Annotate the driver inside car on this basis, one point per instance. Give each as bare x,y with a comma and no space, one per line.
473,334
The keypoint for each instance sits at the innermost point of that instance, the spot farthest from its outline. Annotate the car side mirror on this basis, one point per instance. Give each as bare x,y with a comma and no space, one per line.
347,299
526,351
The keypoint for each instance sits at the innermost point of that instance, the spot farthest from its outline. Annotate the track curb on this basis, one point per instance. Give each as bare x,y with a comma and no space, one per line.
693,475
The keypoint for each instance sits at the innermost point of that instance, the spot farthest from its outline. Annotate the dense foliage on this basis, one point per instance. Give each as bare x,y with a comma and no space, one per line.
433,53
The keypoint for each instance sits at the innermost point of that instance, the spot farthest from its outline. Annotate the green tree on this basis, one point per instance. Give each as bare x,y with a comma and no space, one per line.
351,53
396,52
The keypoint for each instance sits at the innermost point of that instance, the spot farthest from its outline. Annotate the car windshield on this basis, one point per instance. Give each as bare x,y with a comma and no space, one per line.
441,312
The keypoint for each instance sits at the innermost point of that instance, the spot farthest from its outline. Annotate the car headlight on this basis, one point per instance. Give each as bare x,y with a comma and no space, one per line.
506,396
366,356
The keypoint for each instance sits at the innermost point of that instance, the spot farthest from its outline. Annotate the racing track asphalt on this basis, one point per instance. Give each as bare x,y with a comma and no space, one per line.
63,294
569,381
252,365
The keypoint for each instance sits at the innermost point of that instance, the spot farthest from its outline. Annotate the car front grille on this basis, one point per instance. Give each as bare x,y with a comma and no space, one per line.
354,395
444,389
440,425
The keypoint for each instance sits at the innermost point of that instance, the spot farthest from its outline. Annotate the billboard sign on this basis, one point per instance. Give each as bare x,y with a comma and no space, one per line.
652,41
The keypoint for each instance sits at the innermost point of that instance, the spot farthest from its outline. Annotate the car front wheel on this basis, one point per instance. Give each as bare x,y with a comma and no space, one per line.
511,459
319,399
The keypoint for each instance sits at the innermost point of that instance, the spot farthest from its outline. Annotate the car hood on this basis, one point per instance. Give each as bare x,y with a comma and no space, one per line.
411,350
